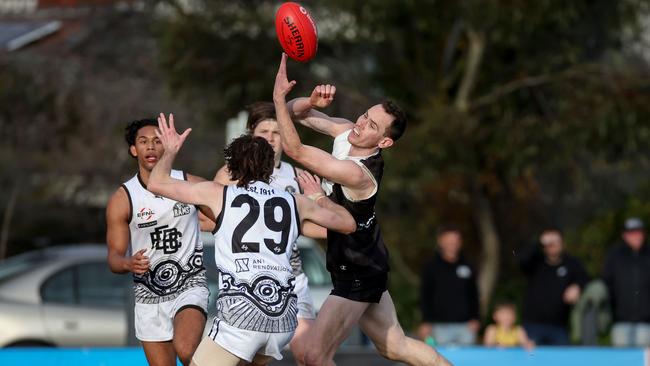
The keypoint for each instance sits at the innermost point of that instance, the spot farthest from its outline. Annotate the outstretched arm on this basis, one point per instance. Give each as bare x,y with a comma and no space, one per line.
160,181
344,172
303,110
333,217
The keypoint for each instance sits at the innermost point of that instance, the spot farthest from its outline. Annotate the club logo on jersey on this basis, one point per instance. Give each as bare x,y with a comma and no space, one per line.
167,239
463,271
367,224
290,189
241,265
145,214
181,209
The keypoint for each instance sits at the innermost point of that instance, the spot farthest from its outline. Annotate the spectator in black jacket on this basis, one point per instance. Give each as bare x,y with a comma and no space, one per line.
627,275
449,296
555,280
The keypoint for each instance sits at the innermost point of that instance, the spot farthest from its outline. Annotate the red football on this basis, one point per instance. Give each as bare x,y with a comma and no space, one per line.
296,31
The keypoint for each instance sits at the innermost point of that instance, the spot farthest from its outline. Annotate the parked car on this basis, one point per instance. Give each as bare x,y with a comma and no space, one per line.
66,295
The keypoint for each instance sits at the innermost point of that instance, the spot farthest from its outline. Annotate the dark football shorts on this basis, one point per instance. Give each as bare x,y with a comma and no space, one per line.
361,289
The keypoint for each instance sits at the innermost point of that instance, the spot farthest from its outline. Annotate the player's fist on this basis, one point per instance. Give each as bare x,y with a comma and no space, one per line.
322,96
139,263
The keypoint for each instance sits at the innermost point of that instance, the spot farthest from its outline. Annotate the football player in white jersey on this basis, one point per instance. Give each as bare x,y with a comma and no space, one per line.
255,226
261,122
162,235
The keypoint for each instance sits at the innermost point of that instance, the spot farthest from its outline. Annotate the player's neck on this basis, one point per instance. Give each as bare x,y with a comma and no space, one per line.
362,151
144,175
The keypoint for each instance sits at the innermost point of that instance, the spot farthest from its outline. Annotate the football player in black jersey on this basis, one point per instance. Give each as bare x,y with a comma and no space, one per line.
358,262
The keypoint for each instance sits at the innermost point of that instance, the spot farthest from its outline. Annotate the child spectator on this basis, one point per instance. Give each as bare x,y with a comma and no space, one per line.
506,333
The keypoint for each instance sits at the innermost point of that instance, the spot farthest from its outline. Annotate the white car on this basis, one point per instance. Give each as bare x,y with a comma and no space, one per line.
66,296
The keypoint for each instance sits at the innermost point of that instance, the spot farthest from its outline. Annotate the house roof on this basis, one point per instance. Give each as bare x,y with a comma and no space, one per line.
17,34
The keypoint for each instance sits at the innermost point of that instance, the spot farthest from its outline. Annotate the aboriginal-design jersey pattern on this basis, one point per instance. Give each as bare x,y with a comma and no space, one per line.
254,239
168,230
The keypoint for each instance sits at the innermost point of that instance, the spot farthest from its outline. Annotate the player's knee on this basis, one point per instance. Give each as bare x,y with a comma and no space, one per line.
393,348
185,353
312,358
298,354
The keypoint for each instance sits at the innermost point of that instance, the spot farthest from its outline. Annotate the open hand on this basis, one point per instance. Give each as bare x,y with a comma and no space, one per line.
322,96
168,136
282,85
310,184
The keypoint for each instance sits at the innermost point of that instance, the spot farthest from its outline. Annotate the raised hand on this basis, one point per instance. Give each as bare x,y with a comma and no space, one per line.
139,263
282,85
322,96
310,185
168,136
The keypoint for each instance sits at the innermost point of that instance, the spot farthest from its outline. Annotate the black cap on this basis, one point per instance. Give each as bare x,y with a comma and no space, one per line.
633,223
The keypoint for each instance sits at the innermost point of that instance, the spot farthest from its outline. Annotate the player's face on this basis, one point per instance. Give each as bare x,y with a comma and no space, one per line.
371,129
147,149
268,129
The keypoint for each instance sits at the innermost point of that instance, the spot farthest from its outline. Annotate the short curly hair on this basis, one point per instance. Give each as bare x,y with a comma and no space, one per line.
249,159
131,130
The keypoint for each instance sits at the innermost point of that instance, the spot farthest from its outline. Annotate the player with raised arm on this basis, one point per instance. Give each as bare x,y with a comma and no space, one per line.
358,262
171,293
261,122
255,226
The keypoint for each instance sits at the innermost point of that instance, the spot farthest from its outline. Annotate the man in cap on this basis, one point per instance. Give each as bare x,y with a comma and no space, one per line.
627,275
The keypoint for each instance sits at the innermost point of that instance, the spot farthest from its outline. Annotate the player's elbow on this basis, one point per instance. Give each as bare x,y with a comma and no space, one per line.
292,149
350,227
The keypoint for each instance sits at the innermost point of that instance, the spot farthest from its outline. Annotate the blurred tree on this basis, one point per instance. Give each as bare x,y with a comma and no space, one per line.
525,114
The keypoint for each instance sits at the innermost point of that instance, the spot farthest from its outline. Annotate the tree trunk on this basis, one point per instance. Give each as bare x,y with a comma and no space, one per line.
6,220
474,57
490,258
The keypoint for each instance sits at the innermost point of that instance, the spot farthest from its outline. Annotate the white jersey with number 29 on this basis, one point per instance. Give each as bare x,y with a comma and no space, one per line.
253,240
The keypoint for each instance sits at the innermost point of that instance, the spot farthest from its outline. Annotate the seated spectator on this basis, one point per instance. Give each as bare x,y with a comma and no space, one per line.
555,280
627,275
505,332
449,296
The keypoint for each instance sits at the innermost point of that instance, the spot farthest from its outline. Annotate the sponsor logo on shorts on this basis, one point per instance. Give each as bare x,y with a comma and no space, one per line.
181,209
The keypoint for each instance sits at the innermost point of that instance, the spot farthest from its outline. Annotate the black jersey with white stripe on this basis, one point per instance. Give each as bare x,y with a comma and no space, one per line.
362,253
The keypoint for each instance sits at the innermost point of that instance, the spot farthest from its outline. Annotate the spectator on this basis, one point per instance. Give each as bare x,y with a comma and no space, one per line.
505,332
627,275
555,280
449,296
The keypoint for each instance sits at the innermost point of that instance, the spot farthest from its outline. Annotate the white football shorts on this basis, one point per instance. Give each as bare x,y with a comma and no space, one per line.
155,322
245,344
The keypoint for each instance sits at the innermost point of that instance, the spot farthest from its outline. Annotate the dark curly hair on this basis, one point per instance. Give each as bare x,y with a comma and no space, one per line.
258,112
398,126
131,130
249,159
